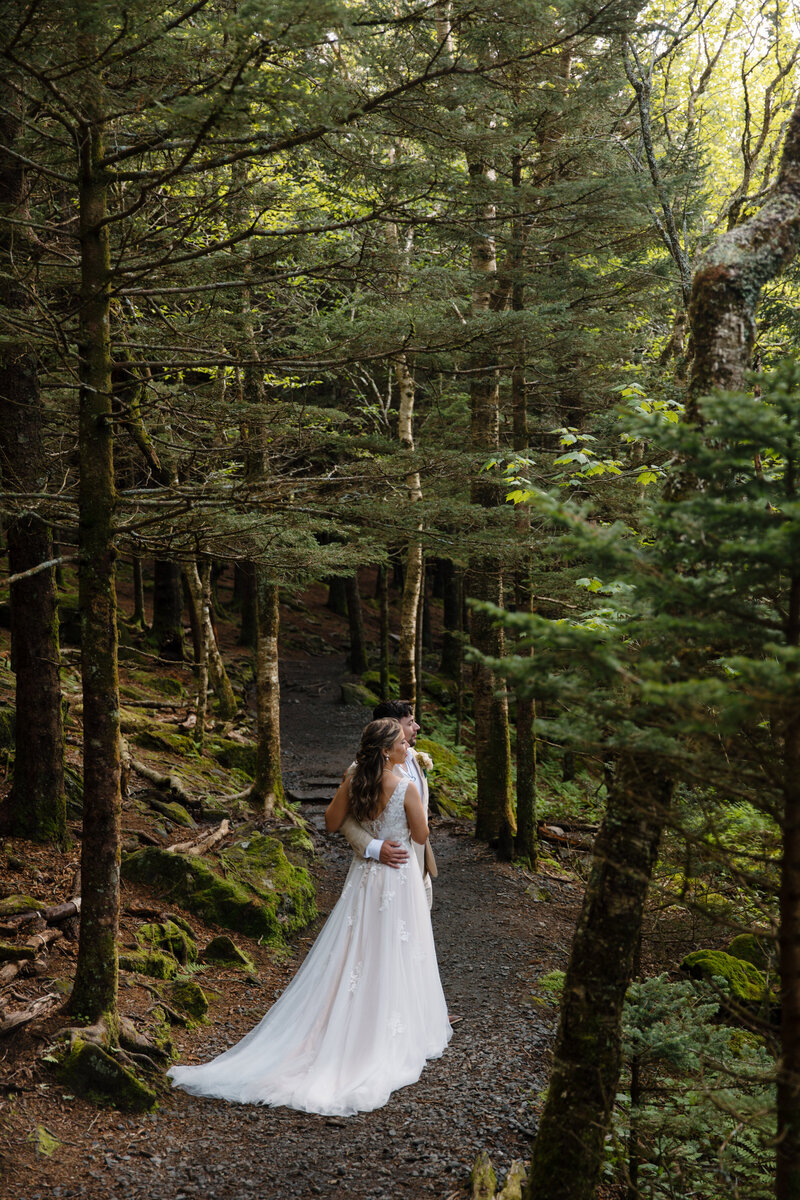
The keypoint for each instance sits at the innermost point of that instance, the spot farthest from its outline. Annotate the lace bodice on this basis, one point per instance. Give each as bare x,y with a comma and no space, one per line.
392,822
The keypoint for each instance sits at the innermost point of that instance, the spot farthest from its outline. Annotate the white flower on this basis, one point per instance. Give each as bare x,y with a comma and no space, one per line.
425,761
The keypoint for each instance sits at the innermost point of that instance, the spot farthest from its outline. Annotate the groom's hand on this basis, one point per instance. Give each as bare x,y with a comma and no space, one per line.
393,854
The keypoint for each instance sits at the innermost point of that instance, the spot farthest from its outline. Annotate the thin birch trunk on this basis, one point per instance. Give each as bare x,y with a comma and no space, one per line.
201,663
226,700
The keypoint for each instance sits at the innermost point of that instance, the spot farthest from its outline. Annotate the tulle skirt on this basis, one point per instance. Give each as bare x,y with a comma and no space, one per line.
361,1016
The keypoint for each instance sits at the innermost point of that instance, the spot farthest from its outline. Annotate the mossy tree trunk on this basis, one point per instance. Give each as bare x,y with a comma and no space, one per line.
268,783
494,814
138,618
246,590
36,807
569,1150
167,630
94,994
383,598
226,700
337,596
453,627
358,658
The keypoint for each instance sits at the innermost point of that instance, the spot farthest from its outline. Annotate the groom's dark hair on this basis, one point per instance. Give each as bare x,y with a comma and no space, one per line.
393,708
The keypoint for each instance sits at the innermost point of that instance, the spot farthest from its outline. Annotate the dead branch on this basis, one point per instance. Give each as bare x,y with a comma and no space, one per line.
204,842
37,1008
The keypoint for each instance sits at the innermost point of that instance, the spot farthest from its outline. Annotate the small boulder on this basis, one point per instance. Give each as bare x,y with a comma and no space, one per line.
168,937
90,1071
358,696
188,997
154,963
761,952
483,1178
747,984
223,949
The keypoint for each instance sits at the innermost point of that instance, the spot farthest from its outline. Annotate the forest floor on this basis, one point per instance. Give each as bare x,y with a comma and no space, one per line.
497,929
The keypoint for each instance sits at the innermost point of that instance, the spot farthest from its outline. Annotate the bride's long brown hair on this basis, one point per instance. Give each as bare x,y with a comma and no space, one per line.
365,784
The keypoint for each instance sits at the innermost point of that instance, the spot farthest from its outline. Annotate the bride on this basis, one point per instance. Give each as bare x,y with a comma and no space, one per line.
366,1008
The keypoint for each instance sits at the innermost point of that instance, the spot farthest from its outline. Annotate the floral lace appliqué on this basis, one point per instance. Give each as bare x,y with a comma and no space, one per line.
404,934
395,1024
386,900
355,976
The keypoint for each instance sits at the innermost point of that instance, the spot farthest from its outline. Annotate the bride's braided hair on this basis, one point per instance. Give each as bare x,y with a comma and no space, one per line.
365,783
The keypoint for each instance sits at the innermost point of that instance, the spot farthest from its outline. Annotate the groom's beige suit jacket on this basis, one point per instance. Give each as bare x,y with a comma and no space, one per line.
359,838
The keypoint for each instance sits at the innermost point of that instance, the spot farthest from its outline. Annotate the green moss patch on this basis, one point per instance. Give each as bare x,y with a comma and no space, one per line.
758,951
168,937
7,727
13,905
223,949
9,952
154,963
260,893
188,997
91,1072
173,811
234,756
356,695
746,983
450,791
164,741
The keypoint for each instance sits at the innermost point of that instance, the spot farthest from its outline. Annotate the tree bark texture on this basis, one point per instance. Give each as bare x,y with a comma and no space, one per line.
787,1176
494,815
226,700
727,284
94,993
568,1152
452,620
139,617
36,807
167,628
268,783
359,659
246,578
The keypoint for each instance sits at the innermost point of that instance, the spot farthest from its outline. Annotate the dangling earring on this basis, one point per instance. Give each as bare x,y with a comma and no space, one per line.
386,758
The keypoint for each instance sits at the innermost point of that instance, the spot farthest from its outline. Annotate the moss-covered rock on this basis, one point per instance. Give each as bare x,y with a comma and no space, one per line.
483,1178
297,843
223,949
7,727
372,680
746,983
188,997
233,755
263,895
154,963
173,811
160,685
91,1072
259,863
164,740
356,695
168,937
761,952
11,906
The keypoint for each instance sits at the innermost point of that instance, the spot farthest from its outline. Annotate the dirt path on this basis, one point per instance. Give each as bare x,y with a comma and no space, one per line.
494,932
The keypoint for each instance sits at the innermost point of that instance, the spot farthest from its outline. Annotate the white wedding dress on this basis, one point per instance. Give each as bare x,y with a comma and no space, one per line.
364,1012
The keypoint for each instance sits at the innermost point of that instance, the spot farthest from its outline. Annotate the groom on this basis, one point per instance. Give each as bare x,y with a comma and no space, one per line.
390,853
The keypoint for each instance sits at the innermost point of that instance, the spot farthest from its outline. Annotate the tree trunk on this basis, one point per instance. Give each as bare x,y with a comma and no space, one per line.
383,595
94,993
337,596
167,629
226,700
358,658
494,815
201,662
139,619
248,629
268,784
453,632
36,807
569,1150
727,284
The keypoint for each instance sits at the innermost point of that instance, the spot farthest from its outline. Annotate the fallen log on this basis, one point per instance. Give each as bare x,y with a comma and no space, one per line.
37,1008
206,841
556,835
53,915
